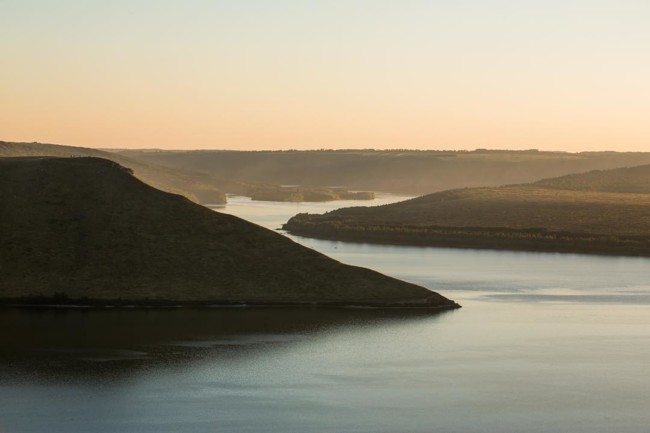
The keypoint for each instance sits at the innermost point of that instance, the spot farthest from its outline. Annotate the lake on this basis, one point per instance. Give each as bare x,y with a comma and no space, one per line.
544,343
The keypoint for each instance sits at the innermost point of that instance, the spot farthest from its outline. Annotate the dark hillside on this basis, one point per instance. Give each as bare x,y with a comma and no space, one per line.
85,229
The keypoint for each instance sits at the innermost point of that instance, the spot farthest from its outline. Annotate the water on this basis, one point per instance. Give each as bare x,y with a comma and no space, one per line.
544,343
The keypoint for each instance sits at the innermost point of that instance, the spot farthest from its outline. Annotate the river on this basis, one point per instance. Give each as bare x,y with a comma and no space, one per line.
544,343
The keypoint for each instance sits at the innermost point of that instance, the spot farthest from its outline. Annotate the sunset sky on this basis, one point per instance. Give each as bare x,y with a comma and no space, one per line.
462,74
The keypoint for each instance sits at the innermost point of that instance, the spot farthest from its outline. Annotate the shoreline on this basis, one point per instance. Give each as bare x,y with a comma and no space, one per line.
98,304
566,246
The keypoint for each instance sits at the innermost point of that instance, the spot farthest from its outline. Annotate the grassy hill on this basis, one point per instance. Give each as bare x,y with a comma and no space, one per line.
194,186
625,180
396,171
85,230
577,213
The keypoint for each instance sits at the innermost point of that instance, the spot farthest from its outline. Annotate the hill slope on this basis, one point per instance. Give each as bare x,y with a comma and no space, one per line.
192,185
538,216
85,229
625,180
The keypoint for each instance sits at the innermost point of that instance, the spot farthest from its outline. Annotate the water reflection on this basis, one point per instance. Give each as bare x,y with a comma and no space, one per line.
625,298
64,344
544,342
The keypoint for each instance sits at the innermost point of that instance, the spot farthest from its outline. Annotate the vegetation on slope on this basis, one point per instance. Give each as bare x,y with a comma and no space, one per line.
84,229
538,216
625,180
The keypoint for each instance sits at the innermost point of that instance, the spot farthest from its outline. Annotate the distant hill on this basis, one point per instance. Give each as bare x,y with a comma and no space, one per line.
574,213
396,171
194,186
84,230
201,187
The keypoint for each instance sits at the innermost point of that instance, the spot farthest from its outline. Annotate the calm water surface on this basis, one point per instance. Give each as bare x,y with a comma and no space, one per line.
544,343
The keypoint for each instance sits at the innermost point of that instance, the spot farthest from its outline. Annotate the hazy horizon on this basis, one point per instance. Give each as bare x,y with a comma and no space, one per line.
323,149
253,75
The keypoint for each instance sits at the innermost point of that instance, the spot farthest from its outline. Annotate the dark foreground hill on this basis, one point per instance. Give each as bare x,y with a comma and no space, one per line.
85,230
194,186
578,213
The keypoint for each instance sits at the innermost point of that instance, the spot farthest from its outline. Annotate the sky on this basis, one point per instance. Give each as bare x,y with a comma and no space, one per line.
298,74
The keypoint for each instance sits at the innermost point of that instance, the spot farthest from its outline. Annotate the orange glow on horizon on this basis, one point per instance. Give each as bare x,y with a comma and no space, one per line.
419,76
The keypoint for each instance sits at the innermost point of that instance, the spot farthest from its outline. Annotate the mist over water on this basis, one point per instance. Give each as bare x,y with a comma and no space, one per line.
544,342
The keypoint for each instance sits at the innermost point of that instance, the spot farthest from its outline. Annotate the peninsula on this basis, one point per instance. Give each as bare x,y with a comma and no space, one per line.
599,212
86,231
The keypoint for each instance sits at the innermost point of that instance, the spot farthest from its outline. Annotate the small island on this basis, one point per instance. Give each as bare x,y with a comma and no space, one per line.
306,194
